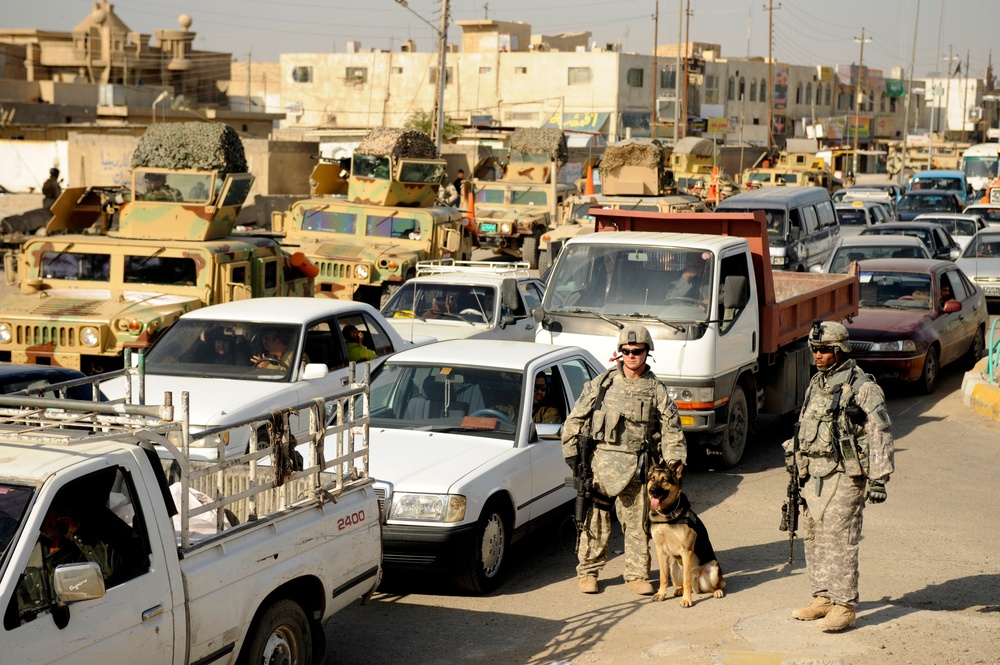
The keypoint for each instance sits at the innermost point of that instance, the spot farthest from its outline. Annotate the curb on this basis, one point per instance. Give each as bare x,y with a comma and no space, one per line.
979,394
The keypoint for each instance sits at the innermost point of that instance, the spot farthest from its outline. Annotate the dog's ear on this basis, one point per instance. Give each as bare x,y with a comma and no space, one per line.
677,467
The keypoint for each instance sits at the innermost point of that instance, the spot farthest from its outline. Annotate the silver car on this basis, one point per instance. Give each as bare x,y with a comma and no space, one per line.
862,248
981,262
961,226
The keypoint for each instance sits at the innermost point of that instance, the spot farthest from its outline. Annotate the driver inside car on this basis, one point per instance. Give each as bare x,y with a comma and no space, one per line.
278,353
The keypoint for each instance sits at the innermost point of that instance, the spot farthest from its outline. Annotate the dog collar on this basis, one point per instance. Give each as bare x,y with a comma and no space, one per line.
681,505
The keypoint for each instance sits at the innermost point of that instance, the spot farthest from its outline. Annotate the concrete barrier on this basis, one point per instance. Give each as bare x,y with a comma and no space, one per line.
979,394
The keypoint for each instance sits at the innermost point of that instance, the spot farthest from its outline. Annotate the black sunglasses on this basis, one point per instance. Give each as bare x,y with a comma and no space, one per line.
541,387
632,352
824,349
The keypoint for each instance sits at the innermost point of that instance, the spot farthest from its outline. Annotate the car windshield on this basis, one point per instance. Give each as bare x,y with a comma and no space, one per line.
983,245
673,283
226,349
462,303
844,256
14,501
937,182
923,235
447,398
930,202
895,290
956,227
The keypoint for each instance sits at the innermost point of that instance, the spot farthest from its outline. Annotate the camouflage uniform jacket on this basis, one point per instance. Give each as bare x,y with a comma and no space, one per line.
830,440
623,414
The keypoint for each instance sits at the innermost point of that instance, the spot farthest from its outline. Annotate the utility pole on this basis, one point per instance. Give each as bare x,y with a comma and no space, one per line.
857,99
770,73
677,79
249,63
656,35
965,93
947,92
687,32
909,94
437,128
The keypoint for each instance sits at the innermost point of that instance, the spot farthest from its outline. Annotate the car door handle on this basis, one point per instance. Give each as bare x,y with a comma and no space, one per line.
529,327
152,612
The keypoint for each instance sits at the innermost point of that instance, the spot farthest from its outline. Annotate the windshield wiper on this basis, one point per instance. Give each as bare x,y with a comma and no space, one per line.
616,324
679,328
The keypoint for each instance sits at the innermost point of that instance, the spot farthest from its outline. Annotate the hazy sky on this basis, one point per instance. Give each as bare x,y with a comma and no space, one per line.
805,31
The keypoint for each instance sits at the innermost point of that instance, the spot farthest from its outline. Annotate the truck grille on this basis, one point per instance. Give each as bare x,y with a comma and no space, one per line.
383,492
339,271
860,347
37,335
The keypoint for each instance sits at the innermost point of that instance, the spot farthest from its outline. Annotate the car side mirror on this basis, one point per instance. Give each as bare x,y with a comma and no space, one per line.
794,233
735,292
315,371
951,306
506,320
954,253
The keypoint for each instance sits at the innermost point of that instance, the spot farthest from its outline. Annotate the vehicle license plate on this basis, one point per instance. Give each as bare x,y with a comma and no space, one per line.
488,228
991,290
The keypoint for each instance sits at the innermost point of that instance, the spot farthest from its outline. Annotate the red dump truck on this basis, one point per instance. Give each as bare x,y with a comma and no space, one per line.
729,332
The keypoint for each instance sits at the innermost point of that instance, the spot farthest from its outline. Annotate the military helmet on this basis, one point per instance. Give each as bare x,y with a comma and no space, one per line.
635,335
829,333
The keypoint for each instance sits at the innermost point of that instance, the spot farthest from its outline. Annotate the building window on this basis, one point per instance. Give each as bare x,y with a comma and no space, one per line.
829,87
634,77
485,70
302,74
668,78
447,75
753,90
871,101
743,88
520,70
522,115
397,70
731,89
356,75
711,89
579,76
892,105
881,104
809,93
798,94
763,90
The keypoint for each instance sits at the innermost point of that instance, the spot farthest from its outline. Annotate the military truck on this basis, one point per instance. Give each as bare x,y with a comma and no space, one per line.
116,269
367,244
635,175
511,214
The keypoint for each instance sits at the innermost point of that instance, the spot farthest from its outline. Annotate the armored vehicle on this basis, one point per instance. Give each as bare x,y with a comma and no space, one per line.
365,245
512,214
115,270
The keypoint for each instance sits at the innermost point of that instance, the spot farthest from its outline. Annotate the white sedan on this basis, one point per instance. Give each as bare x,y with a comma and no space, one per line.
459,464
221,356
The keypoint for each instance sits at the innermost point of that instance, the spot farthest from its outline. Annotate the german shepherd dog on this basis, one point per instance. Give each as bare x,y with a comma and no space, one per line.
681,539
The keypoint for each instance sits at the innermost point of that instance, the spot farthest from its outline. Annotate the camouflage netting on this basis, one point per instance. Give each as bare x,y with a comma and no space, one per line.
546,140
206,146
631,153
389,142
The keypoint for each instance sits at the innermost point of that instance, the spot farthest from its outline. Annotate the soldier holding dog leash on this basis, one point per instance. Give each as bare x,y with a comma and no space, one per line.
843,439
616,418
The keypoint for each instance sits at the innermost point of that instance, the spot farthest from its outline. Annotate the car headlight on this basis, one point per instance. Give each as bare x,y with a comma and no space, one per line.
505,227
361,271
897,345
691,394
428,507
90,337
5,334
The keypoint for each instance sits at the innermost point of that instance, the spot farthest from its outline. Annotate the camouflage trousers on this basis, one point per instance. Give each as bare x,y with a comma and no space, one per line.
831,539
630,508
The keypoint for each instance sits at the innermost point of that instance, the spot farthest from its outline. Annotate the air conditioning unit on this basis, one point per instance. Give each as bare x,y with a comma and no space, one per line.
976,113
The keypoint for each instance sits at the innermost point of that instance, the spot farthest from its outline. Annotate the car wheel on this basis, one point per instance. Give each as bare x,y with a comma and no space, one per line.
734,437
281,635
480,572
544,261
928,378
975,351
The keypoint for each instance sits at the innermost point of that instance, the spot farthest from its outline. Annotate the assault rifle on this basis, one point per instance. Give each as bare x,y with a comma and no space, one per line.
582,480
790,510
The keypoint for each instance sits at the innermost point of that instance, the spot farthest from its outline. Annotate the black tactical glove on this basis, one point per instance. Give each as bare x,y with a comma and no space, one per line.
876,491
571,461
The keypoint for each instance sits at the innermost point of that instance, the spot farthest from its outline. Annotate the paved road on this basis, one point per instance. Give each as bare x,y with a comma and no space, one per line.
930,586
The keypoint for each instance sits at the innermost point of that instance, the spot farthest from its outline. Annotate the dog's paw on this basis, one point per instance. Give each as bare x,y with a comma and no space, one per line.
678,591
662,595
686,601
719,593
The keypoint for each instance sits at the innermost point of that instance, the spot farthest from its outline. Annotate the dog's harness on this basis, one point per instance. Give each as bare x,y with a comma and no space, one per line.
682,514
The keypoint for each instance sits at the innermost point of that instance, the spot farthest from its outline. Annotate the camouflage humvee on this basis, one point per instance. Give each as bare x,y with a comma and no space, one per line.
367,244
115,271
512,214
634,176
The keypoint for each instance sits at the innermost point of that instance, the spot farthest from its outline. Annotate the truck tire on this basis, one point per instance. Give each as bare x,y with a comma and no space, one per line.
734,437
544,261
529,249
480,571
281,634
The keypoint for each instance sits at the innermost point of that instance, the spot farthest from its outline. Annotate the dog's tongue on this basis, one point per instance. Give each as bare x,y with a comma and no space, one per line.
654,503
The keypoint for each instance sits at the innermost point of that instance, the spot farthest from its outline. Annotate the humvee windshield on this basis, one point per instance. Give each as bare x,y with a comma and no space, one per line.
370,166
173,187
531,197
329,221
76,266
421,172
393,226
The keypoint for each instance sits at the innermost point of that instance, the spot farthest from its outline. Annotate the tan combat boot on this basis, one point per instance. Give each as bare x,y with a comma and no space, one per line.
588,584
641,587
817,609
838,618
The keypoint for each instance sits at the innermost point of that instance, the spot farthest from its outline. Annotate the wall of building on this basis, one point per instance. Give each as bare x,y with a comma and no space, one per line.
264,86
24,165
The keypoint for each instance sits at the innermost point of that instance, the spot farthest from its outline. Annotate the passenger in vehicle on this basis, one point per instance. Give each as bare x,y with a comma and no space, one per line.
946,292
157,189
355,343
542,411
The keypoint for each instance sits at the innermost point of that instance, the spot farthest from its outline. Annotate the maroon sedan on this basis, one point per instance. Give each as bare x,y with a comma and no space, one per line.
916,316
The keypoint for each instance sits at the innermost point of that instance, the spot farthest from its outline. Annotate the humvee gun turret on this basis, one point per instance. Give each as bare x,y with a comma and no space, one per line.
512,213
365,245
118,267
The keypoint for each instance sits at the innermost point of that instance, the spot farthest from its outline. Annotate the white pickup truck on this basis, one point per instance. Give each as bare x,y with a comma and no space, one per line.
102,562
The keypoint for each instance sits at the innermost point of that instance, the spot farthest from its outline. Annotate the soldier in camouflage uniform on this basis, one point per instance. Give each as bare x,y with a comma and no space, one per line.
625,411
843,440
157,189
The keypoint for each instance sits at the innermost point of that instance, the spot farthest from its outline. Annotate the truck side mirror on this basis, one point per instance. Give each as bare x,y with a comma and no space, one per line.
508,294
452,240
794,233
277,221
735,294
